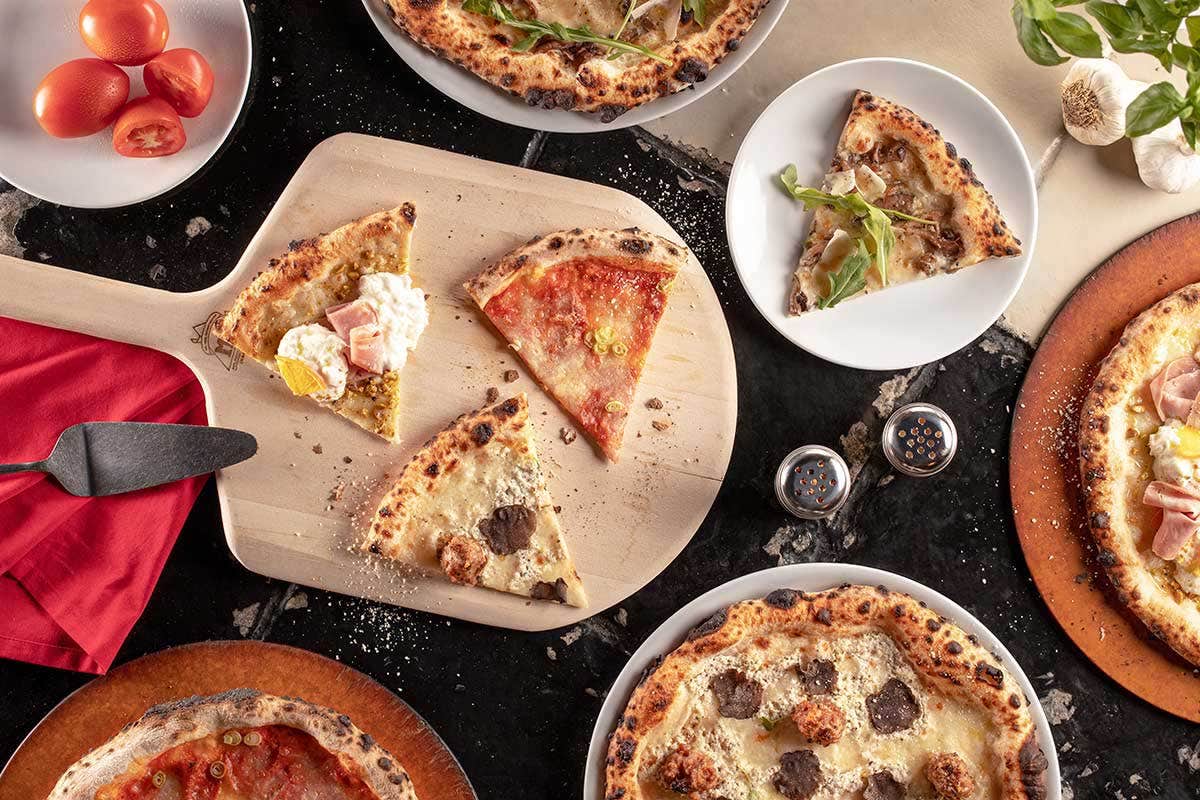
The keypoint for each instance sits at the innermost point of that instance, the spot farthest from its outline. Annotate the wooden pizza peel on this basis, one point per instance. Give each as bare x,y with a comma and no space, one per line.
1044,471
98,710
296,510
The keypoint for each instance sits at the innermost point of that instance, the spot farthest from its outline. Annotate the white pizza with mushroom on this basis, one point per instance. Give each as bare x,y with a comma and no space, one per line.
854,692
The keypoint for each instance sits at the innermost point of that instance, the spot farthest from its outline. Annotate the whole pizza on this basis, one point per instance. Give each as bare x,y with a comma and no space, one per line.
238,745
1139,447
605,56
854,692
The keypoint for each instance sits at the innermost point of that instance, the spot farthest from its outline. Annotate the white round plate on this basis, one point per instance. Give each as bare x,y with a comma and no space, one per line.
808,578
905,325
87,172
483,98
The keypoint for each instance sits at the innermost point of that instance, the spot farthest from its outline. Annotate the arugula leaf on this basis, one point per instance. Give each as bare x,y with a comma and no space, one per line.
850,279
1033,41
536,29
1153,108
876,221
698,8
1073,34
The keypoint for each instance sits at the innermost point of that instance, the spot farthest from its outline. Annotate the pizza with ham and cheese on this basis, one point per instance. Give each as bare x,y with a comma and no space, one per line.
854,692
605,56
337,316
1139,447
580,307
898,204
238,745
473,505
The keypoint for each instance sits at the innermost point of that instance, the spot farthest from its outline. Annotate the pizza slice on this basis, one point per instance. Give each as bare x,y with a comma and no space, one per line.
581,307
337,316
898,204
237,745
473,505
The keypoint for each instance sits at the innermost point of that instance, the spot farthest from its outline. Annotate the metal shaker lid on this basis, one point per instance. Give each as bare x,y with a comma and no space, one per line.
920,439
812,482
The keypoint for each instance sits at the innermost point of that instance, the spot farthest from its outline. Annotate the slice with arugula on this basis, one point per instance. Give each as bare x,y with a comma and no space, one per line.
897,205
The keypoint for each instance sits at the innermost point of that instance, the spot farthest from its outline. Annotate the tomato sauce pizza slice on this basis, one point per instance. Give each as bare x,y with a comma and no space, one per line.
581,307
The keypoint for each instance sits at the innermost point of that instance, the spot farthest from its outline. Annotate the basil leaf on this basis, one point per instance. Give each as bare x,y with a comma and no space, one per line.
1038,9
1033,41
1189,132
850,278
1186,57
1158,15
1074,34
1152,109
1114,18
1193,30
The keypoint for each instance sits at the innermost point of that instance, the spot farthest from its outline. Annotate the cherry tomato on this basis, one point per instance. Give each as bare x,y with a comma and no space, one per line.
181,77
125,32
147,128
80,97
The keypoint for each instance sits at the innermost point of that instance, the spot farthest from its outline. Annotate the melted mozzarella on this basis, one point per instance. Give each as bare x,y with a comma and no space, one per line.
401,310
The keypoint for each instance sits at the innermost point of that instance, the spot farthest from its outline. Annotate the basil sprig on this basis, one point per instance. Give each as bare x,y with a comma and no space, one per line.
876,221
535,30
1133,26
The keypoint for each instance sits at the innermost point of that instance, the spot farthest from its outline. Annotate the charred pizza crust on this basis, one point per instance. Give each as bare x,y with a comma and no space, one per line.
572,77
1113,482
980,231
170,724
942,655
297,288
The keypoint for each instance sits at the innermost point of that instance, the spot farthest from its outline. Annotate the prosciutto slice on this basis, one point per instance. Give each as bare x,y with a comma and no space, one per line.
1181,517
366,348
346,317
1174,390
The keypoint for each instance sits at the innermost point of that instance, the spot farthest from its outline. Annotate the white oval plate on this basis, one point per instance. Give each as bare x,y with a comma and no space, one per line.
905,325
480,96
87,172
809,578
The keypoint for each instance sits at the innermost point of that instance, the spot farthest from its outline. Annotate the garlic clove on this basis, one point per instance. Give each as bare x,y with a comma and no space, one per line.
1094,97
1165,161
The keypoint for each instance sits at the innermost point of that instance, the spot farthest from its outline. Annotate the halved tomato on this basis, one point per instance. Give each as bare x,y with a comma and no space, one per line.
80,97
181,77
125,32
147,128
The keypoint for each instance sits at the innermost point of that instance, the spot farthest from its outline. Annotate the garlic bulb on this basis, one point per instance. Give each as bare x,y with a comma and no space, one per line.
1165,161
1095,94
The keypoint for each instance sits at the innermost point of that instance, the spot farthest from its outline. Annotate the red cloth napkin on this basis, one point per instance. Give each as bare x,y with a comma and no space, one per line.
77,572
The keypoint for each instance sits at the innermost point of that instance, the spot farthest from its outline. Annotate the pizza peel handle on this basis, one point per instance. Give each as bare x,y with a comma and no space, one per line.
74,301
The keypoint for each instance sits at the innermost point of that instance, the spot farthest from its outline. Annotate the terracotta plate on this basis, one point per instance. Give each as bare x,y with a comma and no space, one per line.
98,710
1044,476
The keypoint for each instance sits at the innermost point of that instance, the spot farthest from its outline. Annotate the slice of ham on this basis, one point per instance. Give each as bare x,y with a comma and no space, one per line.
1181,517
1174,390
346,317
366,347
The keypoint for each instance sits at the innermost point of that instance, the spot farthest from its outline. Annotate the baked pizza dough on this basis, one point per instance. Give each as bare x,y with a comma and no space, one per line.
852,692
1119,426
897,161
316,274
581,76
235,745
580,308
473,505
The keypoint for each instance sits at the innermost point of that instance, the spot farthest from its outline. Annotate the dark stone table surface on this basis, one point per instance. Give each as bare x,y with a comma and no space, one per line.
517,708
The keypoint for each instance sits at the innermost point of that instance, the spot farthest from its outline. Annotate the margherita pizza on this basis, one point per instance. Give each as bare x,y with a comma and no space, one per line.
238,745
899,204
605,56
581,307
1139,447
854,692
337,316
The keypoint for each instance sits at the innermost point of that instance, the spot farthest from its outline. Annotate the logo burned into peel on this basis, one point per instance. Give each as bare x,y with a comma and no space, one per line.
213,345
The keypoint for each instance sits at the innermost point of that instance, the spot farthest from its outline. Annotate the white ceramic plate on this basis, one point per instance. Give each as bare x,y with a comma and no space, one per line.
480,96
809,578
35,37
905,325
